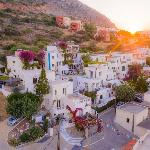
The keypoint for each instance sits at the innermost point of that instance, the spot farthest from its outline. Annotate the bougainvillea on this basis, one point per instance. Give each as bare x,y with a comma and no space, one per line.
85,122
27,56
62,44
40,57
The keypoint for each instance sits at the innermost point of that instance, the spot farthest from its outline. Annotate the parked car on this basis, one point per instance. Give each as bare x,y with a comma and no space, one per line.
12,121
120,104
138,99
39,118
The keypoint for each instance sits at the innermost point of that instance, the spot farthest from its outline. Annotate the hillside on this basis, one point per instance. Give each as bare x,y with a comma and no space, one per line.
73,8
3,113
28,24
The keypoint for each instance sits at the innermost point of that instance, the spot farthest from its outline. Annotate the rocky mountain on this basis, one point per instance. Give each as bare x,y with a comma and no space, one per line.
72,8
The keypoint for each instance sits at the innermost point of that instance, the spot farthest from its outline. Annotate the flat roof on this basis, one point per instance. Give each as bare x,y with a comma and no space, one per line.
145,124
60,82
77,96
132,108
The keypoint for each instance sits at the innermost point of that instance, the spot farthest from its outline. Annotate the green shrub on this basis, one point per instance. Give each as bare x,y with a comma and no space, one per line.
14,142
3,78
36,133
10,47
27,31
108,105
11,31
45,125
25,137
50,21
92,95
2,70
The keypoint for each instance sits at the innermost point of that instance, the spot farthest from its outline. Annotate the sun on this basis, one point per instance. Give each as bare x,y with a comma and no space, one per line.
133,26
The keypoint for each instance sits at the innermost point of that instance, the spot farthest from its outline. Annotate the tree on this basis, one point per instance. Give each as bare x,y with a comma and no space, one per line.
22,105
148,61
25,137
141,84
14,105
134,71
92,95
36,132
45,125
90,30
125,92
86,59
31,104
42,86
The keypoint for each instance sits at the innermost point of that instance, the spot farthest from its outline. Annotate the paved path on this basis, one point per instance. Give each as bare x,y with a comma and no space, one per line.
4,130
145,145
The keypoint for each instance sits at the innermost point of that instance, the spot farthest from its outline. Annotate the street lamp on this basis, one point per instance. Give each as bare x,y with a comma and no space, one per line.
58,133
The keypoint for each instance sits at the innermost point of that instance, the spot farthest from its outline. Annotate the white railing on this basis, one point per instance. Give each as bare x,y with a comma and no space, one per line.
140,141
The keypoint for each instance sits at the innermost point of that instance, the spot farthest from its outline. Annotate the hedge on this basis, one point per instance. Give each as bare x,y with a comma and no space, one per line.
108,105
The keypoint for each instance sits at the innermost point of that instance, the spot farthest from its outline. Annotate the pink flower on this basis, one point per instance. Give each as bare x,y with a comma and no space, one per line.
27,55
40,57
62,44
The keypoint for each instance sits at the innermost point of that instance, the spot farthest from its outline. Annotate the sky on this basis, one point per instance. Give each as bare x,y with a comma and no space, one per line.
131,15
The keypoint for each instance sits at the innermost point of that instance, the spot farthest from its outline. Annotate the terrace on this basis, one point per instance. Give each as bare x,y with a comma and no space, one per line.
9,85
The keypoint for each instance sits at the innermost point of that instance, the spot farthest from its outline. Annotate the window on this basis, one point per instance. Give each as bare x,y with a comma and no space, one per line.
34,80
101,96
128,120
123,68
52,65
99,73
58,104
55,92
64,91
52,57
91,74
13,61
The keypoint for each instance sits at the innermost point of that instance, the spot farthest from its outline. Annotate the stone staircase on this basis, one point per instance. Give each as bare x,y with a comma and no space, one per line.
68,138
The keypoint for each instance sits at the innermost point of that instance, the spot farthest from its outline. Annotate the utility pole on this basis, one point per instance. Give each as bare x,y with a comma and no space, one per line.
58,141
58,134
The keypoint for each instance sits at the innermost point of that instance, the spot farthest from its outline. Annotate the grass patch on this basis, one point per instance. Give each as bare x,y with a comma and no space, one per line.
4,78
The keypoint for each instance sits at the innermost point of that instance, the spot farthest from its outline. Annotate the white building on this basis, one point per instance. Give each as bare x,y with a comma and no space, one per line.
54,101
130,116
29,77
99,57
103,96
86,84
53,58
119,62
78,101
96,76
147,96
61,95
72,47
